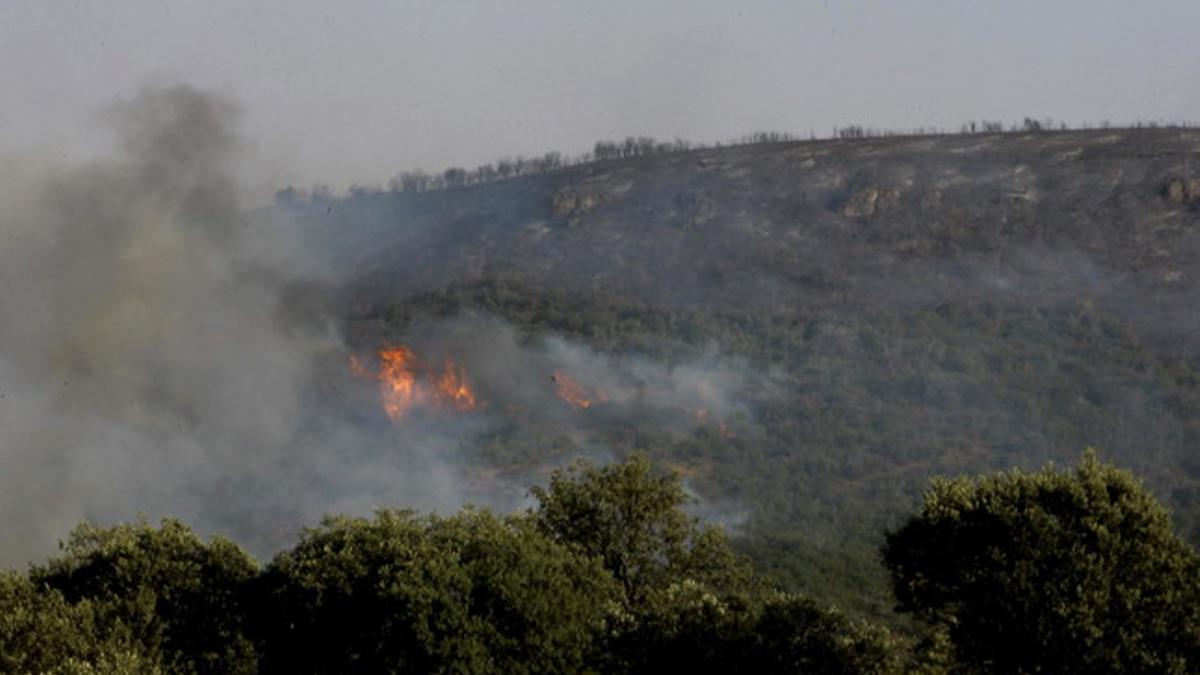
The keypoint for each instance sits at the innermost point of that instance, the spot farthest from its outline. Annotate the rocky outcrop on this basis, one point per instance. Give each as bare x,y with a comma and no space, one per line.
1183,191
570,203
869,201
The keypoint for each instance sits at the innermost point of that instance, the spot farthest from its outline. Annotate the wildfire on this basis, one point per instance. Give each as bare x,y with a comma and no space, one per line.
704,418
574,393
405,382
452,387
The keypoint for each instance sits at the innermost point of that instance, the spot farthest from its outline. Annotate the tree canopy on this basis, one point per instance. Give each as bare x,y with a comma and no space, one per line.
40,632
1051,571
180,598
633,520
689,601
401,593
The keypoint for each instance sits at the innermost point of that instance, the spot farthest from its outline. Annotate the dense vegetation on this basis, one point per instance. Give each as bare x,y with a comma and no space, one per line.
868,405
902,307
1010,573
607,574
1051,572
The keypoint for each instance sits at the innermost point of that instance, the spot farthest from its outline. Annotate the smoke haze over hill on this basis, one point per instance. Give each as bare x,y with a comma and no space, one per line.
146,362
161,357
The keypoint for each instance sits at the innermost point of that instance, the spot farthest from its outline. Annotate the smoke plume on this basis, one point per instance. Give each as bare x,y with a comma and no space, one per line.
163,354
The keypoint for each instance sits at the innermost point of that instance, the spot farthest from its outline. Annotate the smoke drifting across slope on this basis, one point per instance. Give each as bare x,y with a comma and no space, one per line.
554,379
149,361
144,361
154,359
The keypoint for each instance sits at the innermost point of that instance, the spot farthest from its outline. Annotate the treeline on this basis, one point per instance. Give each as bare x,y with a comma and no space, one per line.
607,574
1052,571
1048,572
418,180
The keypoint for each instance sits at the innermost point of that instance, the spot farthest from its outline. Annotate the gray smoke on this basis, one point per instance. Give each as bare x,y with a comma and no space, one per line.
162,354
143,360
152,362
515,371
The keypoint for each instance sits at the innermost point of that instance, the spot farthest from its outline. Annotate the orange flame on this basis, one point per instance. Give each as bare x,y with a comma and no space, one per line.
575,394
452,387
705,418
404,383
357,367
397,381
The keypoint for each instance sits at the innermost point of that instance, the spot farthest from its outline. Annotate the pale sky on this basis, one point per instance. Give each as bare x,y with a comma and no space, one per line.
353,92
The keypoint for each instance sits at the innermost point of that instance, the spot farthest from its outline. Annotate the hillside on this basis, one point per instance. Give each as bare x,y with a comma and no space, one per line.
872,312
808,222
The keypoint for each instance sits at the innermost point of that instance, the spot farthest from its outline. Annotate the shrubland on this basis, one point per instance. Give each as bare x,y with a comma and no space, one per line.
1047,571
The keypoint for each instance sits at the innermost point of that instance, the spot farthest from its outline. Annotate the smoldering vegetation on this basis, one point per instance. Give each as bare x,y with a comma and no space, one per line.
552,377
925,305
530,401
167,352
806,331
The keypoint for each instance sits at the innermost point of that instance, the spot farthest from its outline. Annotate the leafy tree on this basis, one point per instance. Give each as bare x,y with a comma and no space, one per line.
40,632
1051,572
401,593
687,627
690,601
683,627
633,521
179,597
794,634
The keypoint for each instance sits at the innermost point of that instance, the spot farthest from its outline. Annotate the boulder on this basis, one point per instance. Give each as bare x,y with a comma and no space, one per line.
869,201
1183,191
570,202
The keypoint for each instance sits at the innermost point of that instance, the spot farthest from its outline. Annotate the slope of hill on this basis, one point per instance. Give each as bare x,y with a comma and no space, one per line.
900,307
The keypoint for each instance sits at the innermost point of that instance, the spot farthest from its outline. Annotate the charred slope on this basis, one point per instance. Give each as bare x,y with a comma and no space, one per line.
812,223
921,306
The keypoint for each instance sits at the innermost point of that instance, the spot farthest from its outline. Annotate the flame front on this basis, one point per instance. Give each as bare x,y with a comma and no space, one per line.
574,393
704,419
404,383
452,387
397,381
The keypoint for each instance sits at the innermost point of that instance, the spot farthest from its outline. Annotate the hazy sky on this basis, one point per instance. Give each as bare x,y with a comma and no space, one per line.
356,91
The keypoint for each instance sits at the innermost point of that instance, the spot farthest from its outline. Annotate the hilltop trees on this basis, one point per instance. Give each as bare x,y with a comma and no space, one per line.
1051,572
607,574
40,632
179,598
688,601
472,593
632,520
1013,573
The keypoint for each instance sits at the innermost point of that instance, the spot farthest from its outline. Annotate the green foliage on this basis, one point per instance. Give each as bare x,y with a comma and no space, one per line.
608,574
40,632
691,602
689,628
796,635
684,626
1051,572
847,575
470,593
1009,573
180,599
633,521
862,407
